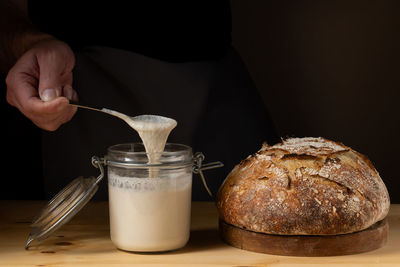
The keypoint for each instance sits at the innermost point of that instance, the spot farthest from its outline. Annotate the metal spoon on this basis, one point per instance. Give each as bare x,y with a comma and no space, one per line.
111,112
134,122
105,110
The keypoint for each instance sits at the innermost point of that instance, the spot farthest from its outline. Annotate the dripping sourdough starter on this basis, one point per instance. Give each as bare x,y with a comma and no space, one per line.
150,207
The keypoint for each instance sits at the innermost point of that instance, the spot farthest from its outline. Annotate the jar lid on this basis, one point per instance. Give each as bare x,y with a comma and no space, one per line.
61,208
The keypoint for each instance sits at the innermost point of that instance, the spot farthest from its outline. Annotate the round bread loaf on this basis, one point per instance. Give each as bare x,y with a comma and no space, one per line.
303,186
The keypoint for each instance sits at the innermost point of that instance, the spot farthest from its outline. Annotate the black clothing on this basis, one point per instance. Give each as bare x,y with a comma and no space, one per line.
174,31
217,107
169,58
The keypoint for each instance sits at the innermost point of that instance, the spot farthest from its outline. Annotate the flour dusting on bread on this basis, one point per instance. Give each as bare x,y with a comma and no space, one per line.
306,186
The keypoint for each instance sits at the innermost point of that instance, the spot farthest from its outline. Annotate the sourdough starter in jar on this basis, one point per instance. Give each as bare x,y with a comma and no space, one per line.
150,214
150,207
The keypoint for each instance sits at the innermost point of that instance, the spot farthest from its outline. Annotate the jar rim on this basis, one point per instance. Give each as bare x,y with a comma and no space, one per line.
133,155
181,148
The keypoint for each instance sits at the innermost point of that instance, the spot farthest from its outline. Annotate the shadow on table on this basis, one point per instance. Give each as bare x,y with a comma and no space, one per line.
78,243
201,240
207,239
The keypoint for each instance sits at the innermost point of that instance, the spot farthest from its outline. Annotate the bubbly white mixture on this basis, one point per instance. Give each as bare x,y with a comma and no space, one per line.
150,214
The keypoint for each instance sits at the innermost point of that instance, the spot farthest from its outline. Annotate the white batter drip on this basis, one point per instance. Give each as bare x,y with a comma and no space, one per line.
150,214
153,130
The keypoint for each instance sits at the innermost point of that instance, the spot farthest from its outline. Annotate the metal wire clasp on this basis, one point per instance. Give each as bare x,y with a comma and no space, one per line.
199,167
98,163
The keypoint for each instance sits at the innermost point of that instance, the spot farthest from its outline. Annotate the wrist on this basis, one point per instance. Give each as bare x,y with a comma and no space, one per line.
25,41
14,45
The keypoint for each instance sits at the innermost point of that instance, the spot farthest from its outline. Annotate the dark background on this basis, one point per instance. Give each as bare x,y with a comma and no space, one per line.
328,68
324,68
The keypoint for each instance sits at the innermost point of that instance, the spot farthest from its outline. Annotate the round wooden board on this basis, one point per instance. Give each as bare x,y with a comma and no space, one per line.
369,239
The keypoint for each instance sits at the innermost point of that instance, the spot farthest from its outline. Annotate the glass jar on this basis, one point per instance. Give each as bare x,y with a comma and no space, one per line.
149,203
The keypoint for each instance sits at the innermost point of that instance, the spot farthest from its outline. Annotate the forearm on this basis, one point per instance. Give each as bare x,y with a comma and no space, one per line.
17,34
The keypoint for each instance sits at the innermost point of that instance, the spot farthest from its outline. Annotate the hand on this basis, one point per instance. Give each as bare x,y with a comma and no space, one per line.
39,84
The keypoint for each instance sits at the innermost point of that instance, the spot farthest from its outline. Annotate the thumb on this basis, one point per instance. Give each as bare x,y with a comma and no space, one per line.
50,85
54,74
49,94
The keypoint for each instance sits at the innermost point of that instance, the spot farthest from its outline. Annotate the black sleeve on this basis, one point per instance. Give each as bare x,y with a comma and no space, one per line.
175,31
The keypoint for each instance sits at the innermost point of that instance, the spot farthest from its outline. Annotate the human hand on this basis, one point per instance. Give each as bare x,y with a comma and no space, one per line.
39,84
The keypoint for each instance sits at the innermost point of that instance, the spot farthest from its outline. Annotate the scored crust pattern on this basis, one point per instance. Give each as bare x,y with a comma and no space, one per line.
304,186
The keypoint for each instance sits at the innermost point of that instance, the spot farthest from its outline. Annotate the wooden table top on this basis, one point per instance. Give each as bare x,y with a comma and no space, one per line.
85,241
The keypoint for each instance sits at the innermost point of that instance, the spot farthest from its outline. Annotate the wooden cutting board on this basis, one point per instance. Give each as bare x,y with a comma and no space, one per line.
369,239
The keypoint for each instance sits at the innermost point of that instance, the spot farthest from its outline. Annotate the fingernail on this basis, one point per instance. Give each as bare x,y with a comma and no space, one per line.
48,94
68,92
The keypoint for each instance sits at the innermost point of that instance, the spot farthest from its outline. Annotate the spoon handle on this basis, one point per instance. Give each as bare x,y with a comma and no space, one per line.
87,107
104,110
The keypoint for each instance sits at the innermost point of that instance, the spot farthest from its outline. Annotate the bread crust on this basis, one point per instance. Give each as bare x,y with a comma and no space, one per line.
303,186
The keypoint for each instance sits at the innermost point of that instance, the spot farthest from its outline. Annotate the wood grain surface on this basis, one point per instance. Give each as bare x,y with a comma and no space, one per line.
85,241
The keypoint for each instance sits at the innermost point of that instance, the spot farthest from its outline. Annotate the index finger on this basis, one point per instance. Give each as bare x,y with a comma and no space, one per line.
20,87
